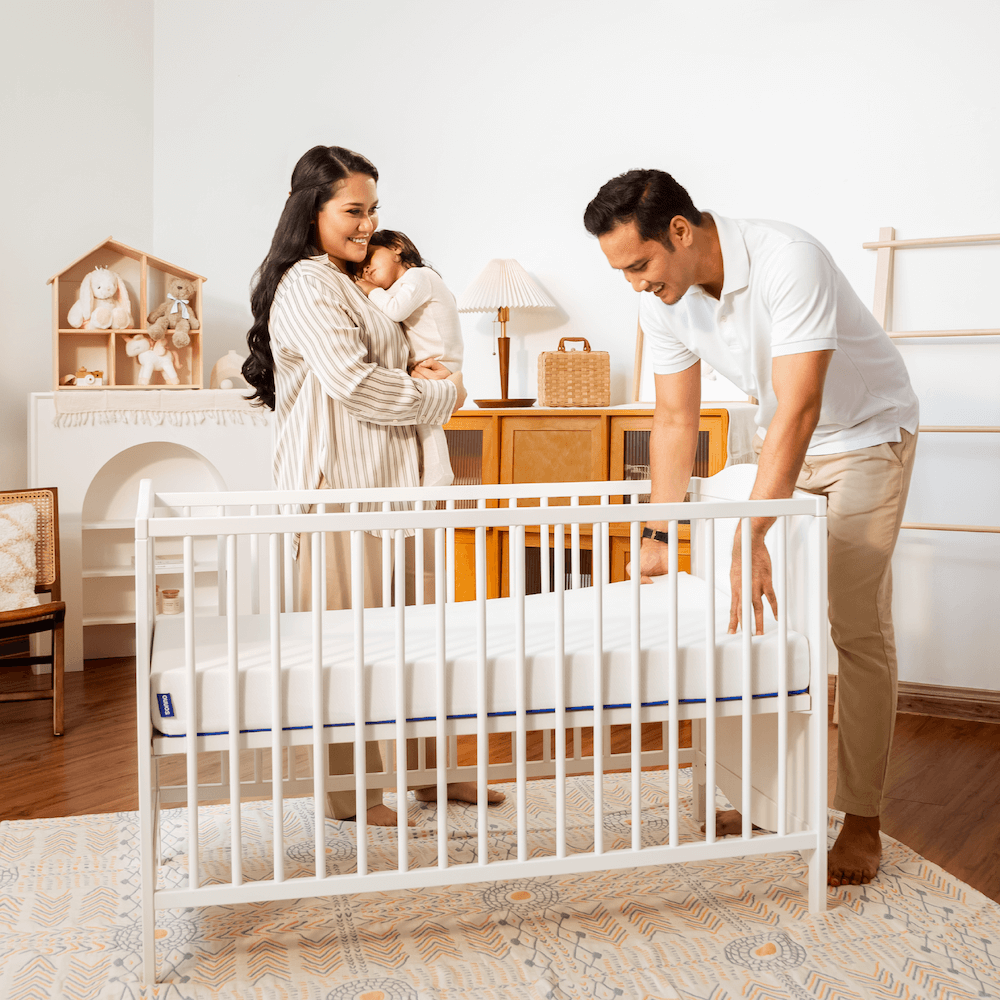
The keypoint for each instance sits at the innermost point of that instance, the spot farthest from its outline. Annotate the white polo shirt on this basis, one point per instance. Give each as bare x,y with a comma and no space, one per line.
783,294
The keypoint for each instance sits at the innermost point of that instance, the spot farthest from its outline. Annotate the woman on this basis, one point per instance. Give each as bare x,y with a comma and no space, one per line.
333,368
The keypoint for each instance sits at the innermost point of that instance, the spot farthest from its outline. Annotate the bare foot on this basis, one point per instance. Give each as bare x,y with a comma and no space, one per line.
728,822
380,815
855,857
460,791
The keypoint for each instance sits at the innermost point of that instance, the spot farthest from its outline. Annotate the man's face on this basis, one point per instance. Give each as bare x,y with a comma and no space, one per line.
648,266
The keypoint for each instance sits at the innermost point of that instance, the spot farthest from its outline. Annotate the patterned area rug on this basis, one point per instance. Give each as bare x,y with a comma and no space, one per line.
715,931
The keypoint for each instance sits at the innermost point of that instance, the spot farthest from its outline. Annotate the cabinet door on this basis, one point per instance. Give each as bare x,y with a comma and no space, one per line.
629,446
553,449
473,448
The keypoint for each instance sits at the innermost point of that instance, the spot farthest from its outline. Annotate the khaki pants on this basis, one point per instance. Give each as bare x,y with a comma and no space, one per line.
342,805
866,494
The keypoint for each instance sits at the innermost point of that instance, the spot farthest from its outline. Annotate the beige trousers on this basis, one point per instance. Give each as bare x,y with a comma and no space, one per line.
343,805
866,494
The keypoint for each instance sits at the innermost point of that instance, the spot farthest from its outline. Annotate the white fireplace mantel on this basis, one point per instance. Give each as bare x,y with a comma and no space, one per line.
95,461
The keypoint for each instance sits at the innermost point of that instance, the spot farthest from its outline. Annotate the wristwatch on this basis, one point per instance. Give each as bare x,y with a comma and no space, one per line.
657,536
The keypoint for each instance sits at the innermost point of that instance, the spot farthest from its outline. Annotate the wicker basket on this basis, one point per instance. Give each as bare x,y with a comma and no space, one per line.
574,378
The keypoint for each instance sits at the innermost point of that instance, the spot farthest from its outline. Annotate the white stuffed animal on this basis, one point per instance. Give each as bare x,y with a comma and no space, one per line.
103,302
155,358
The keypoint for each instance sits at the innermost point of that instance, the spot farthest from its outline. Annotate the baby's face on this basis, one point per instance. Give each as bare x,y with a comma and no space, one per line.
382,267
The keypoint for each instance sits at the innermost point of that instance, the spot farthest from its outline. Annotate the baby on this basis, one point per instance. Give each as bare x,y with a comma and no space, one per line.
399,283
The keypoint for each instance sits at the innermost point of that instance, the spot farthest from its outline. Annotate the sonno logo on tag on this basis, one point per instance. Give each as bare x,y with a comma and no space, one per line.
166,706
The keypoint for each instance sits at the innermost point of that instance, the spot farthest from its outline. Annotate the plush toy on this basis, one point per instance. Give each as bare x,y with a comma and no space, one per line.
103,302
153,358
176,314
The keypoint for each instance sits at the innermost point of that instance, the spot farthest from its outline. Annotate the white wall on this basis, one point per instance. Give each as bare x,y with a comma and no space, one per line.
494,123
76,92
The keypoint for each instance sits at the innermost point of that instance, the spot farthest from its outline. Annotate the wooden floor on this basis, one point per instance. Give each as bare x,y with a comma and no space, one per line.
943,797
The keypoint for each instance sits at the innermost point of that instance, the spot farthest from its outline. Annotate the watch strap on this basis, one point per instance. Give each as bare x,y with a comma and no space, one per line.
657,536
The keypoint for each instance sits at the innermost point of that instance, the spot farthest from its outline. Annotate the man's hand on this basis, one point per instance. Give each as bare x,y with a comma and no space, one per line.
653,560
760,585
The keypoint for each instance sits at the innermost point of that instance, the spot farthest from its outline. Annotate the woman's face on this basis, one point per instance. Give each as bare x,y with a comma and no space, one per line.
383,267
345,223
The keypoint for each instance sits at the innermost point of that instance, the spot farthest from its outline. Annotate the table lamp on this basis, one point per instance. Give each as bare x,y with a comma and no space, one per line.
503,285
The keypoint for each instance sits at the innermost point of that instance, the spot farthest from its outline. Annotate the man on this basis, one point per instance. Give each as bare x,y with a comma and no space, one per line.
764,304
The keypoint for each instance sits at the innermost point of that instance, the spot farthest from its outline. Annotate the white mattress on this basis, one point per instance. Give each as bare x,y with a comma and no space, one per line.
169,697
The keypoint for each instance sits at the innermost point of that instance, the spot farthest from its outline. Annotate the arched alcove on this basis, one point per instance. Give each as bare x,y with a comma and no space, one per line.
114,489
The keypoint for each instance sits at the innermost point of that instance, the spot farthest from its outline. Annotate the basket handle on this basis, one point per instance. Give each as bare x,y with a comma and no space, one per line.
563,340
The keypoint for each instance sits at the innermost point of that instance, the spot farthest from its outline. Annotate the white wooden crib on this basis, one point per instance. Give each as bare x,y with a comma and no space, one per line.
254,679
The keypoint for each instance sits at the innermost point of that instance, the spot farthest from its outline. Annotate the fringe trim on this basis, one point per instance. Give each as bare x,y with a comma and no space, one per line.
157,418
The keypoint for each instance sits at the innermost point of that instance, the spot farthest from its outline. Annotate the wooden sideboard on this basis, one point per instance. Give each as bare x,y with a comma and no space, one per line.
561,445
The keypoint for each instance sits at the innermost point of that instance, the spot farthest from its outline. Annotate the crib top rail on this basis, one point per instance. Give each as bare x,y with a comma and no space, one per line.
205,523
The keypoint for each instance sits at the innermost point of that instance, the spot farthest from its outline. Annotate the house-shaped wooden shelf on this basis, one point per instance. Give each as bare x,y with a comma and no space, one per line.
103,351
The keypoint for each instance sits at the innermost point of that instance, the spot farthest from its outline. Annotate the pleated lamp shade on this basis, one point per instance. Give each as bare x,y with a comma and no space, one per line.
503,283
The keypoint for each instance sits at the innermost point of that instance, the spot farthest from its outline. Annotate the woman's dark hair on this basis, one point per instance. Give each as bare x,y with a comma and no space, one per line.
314,182
650,198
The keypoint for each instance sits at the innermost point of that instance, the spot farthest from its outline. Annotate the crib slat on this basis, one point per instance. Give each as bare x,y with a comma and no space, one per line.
442,698
191,743
418,569
711,658
635,542
450,568
747,691
322,509
402,829
319,764
277,703
543,550
360,756
521,744
482,737
386,564
560,683
672,688
574,534
781,593
254,568
606,544
233,692
289,596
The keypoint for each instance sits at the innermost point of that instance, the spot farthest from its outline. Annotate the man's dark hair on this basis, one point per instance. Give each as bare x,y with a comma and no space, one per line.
650,198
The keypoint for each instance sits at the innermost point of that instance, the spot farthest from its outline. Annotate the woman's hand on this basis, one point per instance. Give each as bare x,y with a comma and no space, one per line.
430,368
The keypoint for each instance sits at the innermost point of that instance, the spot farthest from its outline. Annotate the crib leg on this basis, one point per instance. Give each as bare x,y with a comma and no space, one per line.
816,877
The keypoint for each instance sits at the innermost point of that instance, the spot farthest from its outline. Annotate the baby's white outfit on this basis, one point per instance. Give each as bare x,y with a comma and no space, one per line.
423,303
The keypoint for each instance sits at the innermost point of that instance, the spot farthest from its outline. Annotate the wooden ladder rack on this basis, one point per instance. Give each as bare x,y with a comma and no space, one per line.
886,246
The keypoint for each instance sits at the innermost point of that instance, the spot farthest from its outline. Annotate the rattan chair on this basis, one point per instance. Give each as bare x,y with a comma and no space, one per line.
23,622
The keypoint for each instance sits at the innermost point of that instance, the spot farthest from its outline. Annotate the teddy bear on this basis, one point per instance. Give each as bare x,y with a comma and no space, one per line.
153,358
103,302
176,313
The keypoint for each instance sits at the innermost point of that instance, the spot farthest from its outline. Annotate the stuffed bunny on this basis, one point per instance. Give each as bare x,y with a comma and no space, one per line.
176,314
103,302
153,358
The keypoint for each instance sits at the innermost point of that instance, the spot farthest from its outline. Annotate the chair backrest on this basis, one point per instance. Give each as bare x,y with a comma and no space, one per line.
46,502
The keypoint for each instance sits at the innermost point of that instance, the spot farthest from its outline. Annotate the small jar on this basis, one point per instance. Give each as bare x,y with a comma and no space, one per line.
171,602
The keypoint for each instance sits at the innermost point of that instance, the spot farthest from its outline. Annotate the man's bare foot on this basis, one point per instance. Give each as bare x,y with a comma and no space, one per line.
728,822
855,857
460,791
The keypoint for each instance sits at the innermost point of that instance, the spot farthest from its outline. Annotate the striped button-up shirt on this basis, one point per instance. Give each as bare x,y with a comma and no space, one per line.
345,408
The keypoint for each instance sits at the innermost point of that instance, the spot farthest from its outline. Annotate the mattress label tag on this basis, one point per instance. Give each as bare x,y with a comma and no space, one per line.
166,706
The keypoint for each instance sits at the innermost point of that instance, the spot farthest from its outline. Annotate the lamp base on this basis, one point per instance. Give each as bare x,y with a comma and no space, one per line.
485,404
